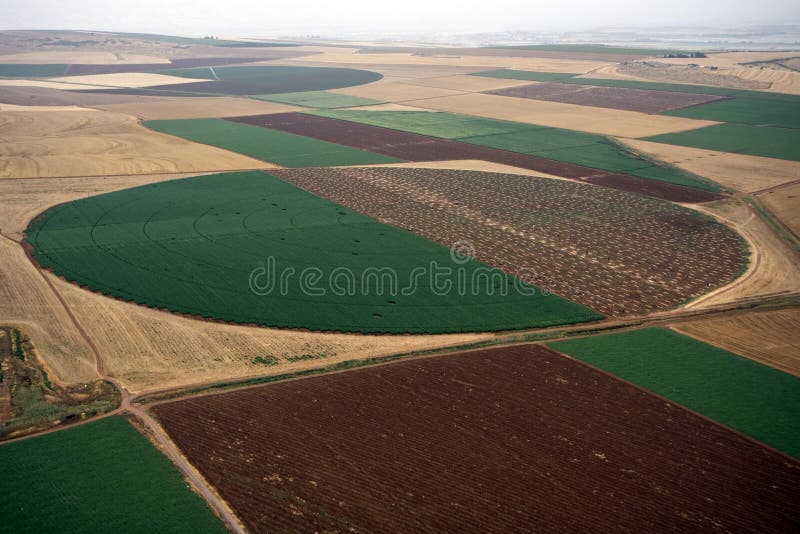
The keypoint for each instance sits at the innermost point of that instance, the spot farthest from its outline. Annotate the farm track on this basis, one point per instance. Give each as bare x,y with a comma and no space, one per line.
416,147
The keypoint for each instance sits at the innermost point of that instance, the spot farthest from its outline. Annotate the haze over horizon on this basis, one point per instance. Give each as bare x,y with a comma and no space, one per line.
256,19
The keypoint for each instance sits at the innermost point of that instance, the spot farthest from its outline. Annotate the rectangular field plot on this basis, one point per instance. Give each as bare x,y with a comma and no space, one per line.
504,440
101,476
609,97
273,146
769,142
319,99
747,396
784,113
568,146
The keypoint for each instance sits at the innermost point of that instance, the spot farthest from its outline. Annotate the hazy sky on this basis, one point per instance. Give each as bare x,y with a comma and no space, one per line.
258,18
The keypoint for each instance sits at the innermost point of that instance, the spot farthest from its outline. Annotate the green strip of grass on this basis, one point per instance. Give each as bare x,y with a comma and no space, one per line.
34,71
285,149
769,142
192,246
102,476
570,146
752,398
319,99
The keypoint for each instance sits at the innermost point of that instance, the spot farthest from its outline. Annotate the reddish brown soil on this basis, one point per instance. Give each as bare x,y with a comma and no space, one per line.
502,440
608,97
415,147
611,251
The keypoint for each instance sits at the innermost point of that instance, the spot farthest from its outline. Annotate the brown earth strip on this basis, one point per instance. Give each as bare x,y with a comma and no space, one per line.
415,147
608,97
518,439
44,96
614,252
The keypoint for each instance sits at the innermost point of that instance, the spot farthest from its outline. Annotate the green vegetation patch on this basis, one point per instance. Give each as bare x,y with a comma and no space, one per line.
570,146
250,248
752,398
285,149
11,70
767,141
319,99
97,477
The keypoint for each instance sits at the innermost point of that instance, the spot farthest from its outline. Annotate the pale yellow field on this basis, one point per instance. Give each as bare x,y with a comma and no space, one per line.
467,165
784,203
487,62
145,348
69,57
782,81
199,107
729,59
583,118
769,337
737,171
469,84
394,92
93,143
126,79
773,269
47,85
14,107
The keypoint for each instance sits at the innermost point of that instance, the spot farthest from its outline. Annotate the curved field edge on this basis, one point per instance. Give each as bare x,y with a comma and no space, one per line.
86,252
103,474
733,390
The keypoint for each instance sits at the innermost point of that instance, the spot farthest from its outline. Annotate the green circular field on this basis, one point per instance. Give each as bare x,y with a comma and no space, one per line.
250,248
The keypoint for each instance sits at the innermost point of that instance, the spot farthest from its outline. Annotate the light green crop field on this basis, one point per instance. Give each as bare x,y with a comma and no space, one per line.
769,142
198,246
36,71
99,477
319,99
560,144
745,395
285,149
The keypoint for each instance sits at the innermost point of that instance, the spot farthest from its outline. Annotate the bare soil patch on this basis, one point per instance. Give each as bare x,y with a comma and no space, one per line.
784,203
622,98
518,439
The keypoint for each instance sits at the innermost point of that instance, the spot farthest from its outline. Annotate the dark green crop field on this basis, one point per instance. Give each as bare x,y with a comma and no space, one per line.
37,71
285,149
747,396
211,245
570,146
781,143
99,477
319,99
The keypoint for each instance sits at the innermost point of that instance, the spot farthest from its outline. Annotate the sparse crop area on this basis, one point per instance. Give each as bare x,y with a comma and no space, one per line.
614,252
747,396
94,476
478,441
319,99
250,248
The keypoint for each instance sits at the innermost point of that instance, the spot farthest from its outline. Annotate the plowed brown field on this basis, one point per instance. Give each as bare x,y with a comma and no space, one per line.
503,440
614,252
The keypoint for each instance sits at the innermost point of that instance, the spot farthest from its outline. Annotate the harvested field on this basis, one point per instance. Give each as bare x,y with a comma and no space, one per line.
83,57
415,147
464,83
556,52
614,252
657,70
395,92
197,108
582,118
45,84
176,63
768,337
467,165
49,96
764,141
754,399
516,439
607,97
93,143
122,79
736,171
145,348
784,203
208,235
